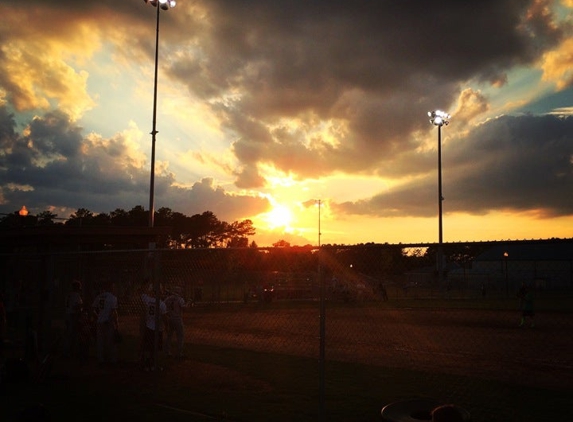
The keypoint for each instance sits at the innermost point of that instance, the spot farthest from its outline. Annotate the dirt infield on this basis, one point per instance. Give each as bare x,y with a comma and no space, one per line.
486,344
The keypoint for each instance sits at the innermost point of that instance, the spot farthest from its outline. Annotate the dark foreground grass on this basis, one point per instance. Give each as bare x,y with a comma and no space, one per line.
216,384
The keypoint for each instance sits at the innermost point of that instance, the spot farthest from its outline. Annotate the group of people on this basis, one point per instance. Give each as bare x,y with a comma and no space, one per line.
84,322
167,312
100,320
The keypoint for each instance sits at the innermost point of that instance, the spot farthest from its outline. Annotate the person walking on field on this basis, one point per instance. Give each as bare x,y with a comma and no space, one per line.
527,307
175,305
105,308
150,306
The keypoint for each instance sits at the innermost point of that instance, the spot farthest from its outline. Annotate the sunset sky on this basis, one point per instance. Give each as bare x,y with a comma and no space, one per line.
265,107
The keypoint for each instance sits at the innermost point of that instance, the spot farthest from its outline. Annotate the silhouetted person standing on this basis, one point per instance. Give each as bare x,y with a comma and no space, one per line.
105,307
74,305
527,307
175,305
150,306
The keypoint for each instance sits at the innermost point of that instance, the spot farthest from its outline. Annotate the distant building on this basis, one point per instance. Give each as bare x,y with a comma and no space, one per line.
547,264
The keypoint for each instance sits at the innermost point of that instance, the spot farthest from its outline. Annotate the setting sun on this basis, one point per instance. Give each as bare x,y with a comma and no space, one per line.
279,216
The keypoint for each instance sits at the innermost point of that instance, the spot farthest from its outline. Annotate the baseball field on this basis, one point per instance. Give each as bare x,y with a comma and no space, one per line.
260,362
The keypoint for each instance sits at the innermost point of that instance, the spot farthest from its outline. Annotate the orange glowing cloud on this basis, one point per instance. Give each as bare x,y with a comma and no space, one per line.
557,65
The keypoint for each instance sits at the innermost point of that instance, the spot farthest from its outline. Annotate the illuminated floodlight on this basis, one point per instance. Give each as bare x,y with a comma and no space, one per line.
164,4
439,118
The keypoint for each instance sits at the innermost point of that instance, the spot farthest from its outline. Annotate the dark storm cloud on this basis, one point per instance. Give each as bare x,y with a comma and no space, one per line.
507,164
205,195
48,158
53,135
326,47
374,65
525,162
7,133
54,164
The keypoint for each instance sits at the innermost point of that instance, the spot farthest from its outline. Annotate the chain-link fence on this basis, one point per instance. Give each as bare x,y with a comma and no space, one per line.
379,306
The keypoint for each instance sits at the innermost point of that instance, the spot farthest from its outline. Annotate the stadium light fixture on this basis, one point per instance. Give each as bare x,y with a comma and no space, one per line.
164,5
440,118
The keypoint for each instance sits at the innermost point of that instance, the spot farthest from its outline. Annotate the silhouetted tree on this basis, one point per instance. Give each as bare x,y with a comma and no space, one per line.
46,218
237,233
138,216
15,220
238,242
164,217
198,231
202,230
81,217
119,217
101,219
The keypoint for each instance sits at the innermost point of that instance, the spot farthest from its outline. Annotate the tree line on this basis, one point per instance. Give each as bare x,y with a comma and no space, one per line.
205,230
197,231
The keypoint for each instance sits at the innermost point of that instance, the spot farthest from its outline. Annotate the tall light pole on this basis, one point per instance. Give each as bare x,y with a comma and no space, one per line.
440,118
322,331
165,5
